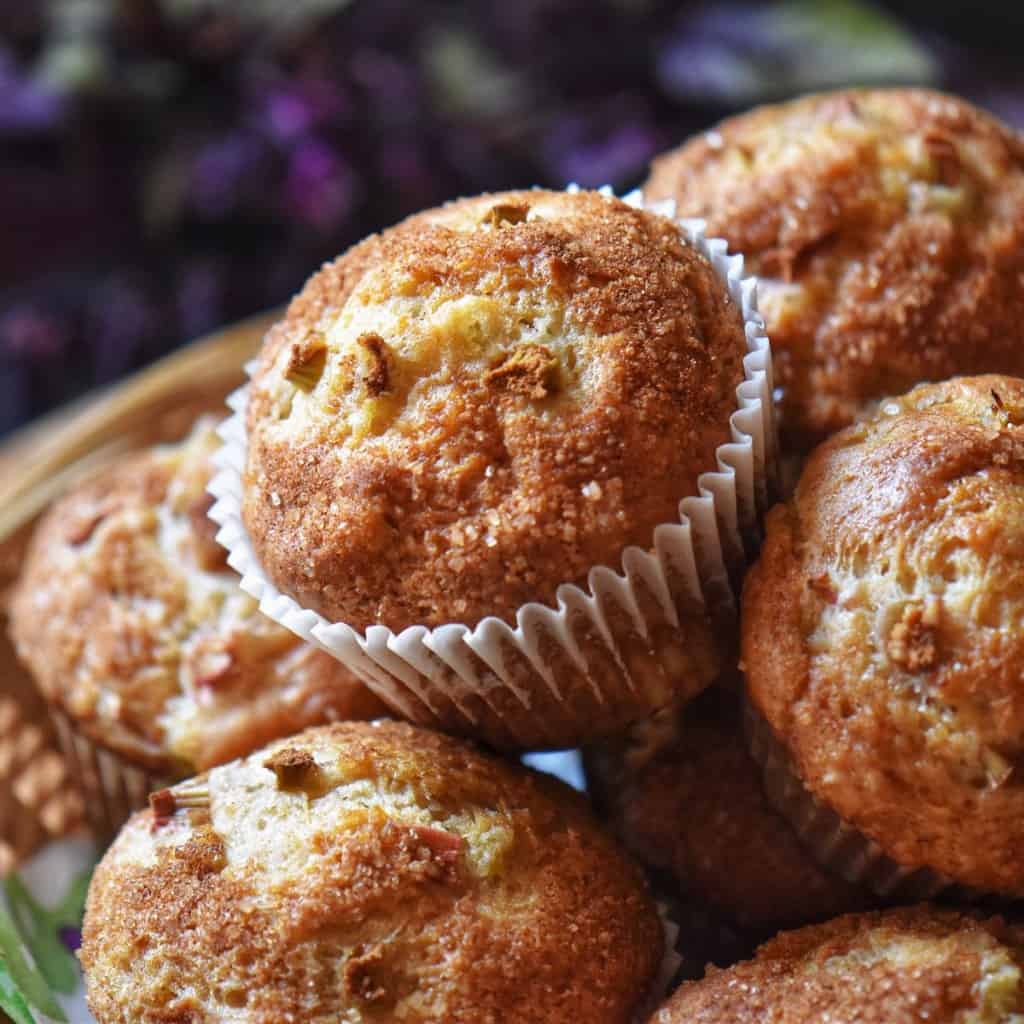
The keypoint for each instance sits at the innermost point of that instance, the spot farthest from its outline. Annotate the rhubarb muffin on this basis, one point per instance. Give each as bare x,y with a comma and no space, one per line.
368,873
886,227
138,635
897,967
488,401
685,797
882,643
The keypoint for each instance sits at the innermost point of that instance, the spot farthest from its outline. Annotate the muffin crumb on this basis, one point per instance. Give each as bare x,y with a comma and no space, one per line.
905,965
203,852
378,375
913,641
531,370
823,586
506,213
307,361
360,982
296,770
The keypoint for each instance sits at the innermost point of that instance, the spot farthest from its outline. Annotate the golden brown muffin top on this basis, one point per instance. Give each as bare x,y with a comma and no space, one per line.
897,967
887,228
368,873
131,621
882,628
483,403
685,797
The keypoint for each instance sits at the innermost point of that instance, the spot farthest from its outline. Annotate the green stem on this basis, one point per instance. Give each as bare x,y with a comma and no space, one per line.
20,978
39,930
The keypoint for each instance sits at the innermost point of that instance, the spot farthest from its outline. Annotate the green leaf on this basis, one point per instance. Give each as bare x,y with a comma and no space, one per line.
39,931
25,979
11,1000
71,910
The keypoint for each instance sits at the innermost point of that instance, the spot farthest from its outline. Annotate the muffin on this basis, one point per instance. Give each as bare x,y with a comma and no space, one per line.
898,967
685,797
368,872
886,227
490,402
883,648
139,637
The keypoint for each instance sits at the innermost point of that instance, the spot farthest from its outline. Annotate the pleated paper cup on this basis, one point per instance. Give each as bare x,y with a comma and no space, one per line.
606,653
836,844
112,787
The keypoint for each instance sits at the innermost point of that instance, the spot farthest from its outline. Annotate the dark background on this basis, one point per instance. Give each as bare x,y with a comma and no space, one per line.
167,166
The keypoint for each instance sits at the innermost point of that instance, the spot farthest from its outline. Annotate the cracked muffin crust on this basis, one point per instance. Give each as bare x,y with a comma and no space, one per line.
886,227
685,797
881,629
130,621
896,967
483,403
368,873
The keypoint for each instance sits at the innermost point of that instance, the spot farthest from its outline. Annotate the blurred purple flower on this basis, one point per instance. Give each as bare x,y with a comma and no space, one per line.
1001,101
392,88
319,186
27,106
288,114
222,172
31,335
120,322
15,396
293,111
702,64
200,298
608,147
218,159
70,937
472,156
403,166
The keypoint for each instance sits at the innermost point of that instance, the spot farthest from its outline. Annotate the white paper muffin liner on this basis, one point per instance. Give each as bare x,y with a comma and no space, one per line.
112,787
834,843
619,642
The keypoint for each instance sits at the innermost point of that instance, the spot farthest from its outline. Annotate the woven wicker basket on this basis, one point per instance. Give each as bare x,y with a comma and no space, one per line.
38,798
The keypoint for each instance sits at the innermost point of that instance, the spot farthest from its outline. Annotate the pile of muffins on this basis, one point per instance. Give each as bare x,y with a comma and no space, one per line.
502,479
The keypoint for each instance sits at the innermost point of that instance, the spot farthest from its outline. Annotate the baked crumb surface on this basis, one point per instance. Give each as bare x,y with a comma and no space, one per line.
881,628
485,402
131,621
887,229
686,798
896,967
418,881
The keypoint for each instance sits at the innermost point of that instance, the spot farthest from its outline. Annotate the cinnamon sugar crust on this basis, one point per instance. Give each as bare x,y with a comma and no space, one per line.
887,228
685,797
882,629
131,621
515,388
897,967
424,882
